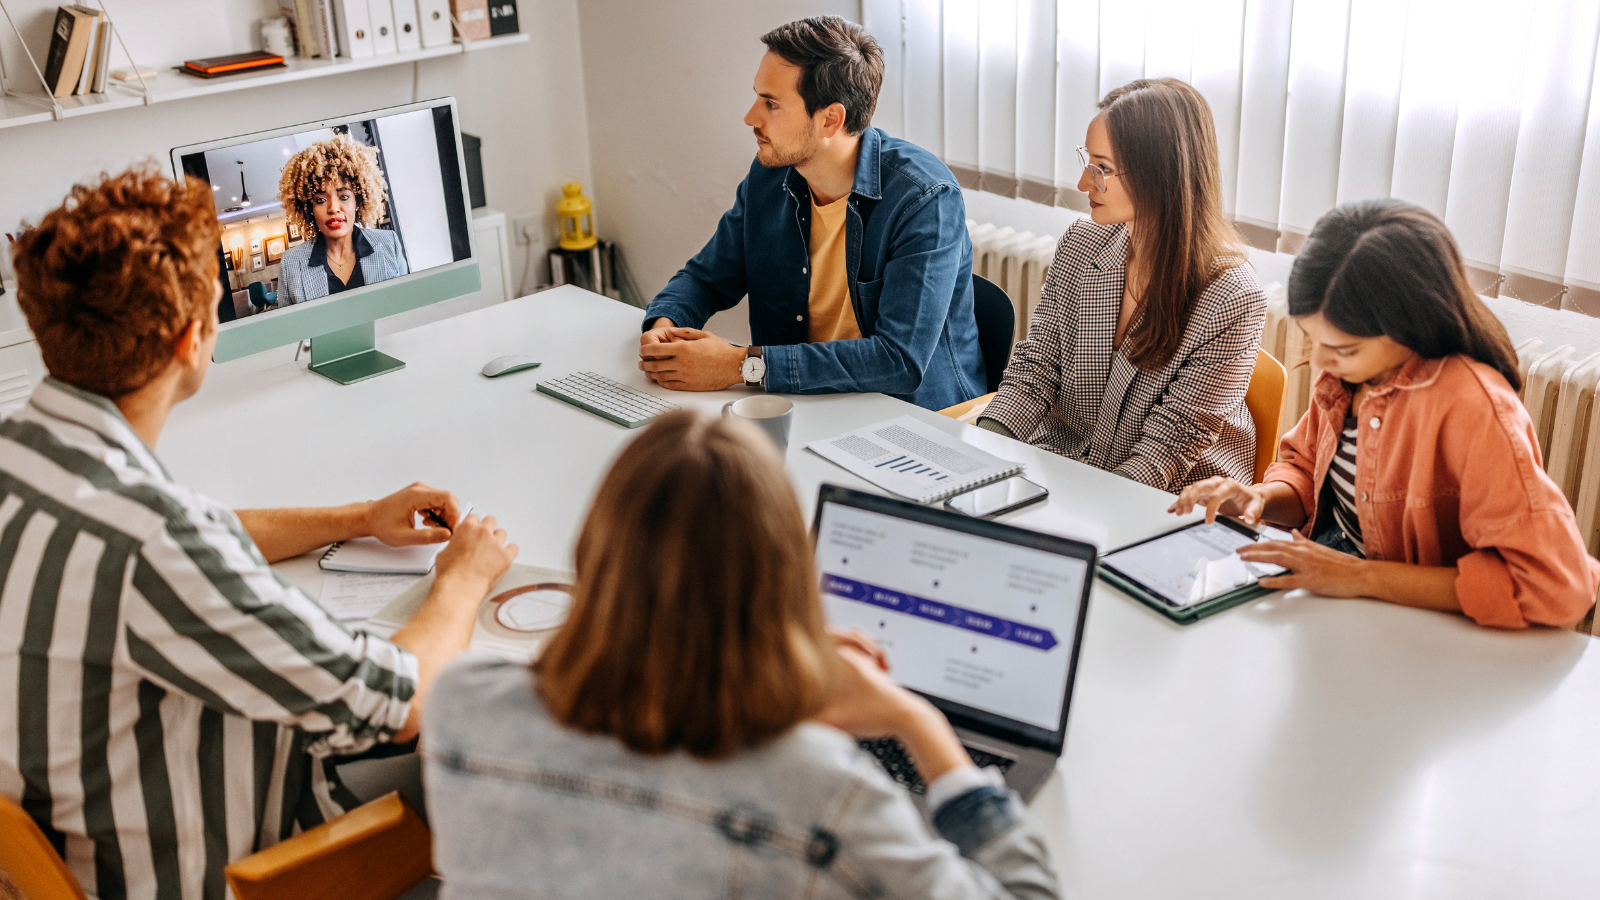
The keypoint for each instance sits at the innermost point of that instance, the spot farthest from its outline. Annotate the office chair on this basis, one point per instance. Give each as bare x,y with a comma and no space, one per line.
997,327
26,855
260,297
1264,400
377,851
997,322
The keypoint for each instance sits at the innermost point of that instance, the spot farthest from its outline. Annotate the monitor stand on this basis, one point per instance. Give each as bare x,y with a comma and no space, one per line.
351,355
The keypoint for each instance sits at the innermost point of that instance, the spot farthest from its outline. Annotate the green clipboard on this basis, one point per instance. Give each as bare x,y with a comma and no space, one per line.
1183,615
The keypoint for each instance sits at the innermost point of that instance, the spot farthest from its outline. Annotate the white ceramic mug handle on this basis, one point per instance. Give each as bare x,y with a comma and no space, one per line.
726,406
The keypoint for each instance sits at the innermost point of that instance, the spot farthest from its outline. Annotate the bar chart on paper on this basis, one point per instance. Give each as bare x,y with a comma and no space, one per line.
914,460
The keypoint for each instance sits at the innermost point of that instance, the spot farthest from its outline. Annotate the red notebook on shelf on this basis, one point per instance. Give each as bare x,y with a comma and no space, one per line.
236,62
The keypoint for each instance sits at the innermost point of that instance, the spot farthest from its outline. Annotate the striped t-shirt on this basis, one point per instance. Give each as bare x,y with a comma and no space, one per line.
164,695
1342,475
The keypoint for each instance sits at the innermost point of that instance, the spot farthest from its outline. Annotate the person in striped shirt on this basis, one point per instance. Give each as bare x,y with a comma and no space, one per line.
169,703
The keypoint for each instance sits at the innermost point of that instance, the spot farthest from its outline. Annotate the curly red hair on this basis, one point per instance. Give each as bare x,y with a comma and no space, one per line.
112,277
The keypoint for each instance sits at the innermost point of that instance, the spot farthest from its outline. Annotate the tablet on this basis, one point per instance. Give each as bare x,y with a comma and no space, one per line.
1193,570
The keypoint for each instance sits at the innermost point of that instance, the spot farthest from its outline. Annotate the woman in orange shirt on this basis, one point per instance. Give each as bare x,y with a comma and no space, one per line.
1416,470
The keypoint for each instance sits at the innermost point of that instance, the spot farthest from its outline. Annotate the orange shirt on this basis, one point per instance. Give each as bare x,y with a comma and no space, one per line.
832,316
1448,474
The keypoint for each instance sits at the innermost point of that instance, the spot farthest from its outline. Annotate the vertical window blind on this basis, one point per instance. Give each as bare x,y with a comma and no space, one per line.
1488,114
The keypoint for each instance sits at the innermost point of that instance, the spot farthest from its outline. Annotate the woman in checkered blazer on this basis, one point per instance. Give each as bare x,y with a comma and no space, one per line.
1141,348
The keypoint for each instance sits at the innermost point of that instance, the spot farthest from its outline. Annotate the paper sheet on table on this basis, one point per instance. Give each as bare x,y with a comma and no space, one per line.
355,596
519,614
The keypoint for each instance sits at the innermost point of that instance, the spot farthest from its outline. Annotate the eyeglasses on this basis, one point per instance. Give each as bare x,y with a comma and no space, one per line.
1096,172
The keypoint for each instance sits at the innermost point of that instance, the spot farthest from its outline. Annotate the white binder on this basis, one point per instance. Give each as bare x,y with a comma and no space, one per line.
407,27
381,15
435,16
354,24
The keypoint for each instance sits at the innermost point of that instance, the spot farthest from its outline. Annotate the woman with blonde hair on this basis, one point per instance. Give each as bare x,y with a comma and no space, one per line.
1141,349
683,734
334,189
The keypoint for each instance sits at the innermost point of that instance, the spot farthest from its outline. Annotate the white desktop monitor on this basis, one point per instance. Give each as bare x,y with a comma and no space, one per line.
386,188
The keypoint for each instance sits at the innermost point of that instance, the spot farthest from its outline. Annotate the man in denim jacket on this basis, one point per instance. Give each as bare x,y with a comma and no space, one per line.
851,244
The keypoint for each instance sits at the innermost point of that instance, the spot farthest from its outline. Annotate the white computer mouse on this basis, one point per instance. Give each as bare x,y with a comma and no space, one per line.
505,365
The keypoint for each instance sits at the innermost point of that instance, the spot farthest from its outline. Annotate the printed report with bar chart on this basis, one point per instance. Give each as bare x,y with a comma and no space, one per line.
913,459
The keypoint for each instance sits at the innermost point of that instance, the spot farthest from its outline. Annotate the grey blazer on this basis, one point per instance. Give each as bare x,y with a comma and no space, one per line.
1068,391
299,281
521,806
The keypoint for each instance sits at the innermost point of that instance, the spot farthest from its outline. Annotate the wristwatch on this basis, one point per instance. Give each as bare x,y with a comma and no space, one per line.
754,368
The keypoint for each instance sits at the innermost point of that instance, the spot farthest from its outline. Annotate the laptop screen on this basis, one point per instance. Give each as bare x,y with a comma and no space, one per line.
982,616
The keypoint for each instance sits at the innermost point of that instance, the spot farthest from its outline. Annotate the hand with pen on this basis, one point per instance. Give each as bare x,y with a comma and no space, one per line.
393,519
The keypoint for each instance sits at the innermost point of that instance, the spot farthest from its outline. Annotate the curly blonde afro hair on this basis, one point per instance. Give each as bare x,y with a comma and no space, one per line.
340,158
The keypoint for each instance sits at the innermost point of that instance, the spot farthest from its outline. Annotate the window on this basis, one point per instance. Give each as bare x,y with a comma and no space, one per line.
1486,113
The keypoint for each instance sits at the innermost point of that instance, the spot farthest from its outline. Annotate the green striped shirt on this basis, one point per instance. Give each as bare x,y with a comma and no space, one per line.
168,703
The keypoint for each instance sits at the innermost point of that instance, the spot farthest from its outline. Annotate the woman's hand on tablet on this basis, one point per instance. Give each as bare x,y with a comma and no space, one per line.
1318,569
1222,494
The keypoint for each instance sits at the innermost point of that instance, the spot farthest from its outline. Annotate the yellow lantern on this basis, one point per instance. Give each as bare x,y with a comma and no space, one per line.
577,218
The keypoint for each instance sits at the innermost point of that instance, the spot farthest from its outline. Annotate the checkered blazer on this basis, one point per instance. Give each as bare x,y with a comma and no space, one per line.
1068,391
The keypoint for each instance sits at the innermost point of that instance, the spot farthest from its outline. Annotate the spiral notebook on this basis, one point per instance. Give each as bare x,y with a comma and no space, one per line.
916,461
370,556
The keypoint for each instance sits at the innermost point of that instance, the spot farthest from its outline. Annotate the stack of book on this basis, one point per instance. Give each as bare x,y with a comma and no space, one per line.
80,52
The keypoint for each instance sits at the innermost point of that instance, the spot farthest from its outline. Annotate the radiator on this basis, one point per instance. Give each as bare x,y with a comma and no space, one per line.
1558,390
1014,260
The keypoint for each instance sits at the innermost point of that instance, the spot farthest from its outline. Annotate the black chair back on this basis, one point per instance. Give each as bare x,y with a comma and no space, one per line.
997,325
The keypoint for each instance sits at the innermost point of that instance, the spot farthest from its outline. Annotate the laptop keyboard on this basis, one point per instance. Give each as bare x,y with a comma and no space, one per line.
897,762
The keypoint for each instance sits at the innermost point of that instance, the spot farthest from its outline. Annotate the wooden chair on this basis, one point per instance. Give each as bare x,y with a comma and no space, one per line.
1264,400
26,855
374,852
968,411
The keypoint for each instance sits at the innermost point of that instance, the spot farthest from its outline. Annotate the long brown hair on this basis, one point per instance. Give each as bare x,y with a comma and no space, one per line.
1388,267
696,623
1166,147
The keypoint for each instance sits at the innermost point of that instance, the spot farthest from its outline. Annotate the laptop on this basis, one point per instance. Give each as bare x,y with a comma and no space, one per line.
983,619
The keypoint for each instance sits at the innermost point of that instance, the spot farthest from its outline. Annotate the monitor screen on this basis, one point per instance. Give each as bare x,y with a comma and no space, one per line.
979,622
309,215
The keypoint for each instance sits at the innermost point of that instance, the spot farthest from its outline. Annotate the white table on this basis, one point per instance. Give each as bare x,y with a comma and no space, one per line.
1293,748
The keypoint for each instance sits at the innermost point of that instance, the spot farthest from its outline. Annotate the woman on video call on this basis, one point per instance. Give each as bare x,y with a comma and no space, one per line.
335,190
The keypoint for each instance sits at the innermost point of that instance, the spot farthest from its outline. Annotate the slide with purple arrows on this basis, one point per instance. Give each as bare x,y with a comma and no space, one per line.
981,622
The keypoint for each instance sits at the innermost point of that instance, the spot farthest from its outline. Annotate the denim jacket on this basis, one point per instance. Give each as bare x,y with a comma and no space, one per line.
521,806
909,263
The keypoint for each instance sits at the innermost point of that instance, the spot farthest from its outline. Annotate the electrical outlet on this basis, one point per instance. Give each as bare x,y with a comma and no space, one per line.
525,228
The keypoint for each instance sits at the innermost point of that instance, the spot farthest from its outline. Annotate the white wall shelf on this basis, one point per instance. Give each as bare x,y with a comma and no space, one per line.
170,85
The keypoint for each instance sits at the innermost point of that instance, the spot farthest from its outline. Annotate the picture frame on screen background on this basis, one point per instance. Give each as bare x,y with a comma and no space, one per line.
257,263
275,245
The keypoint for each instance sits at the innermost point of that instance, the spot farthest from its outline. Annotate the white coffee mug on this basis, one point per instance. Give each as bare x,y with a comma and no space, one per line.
773,415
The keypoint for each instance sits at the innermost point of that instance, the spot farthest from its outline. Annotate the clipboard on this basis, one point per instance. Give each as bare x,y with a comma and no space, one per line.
1129,582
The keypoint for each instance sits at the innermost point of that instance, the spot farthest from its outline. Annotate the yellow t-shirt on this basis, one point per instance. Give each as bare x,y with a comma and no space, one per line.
832,316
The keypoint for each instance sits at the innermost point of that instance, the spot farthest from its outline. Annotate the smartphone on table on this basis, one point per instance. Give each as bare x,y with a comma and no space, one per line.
994,499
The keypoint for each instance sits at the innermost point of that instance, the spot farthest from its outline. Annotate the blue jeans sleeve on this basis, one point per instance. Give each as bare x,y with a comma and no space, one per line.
978,816
926,253
713,280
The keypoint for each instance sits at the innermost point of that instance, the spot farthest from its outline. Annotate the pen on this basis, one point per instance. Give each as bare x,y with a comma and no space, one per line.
432,515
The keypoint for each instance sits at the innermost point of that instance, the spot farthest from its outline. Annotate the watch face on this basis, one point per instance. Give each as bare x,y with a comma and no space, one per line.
754,368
